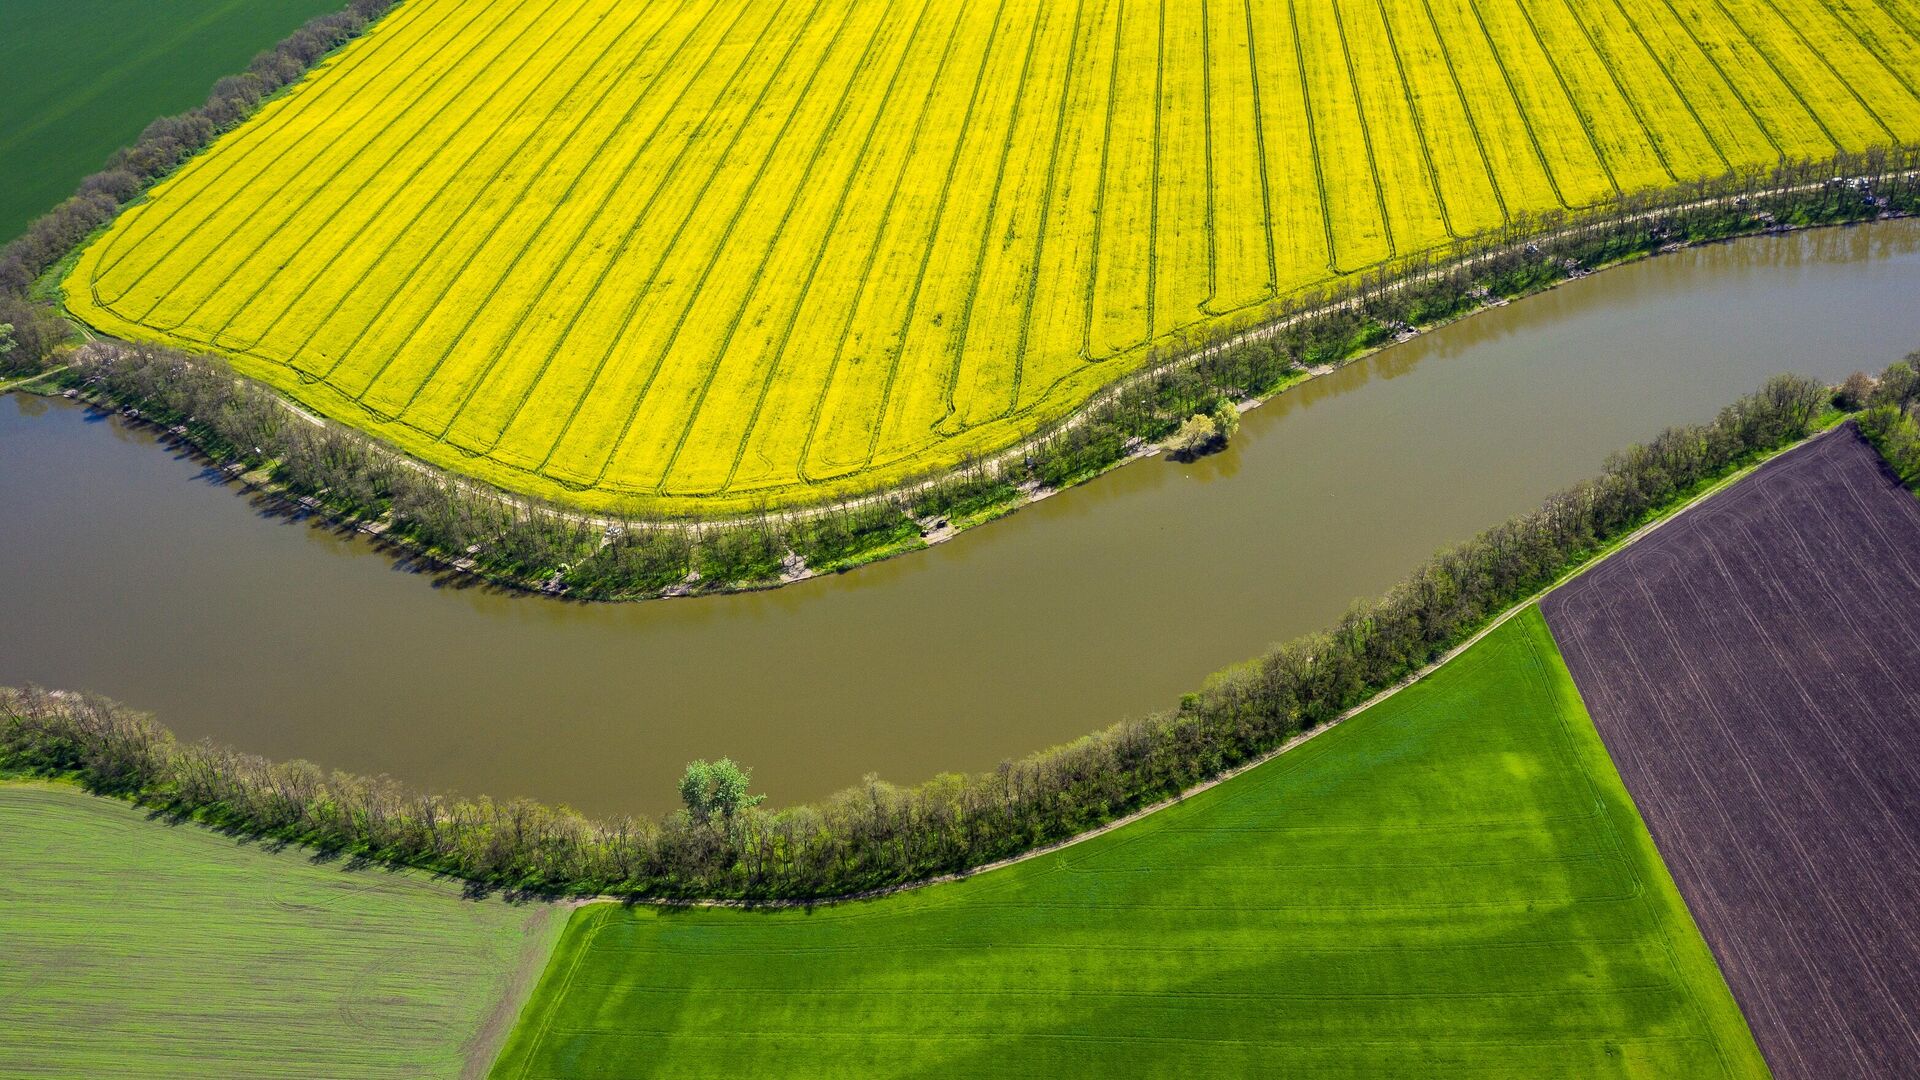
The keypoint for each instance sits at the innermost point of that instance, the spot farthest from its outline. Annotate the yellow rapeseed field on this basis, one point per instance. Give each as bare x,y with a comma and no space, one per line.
707,255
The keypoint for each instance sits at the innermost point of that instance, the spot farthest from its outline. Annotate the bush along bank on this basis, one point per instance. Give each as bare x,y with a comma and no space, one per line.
1889,422
523,543
877,835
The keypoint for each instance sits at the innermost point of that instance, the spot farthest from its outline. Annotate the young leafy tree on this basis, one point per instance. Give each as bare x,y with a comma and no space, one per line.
1226,421
6,340
716,788
1196,433
1899,384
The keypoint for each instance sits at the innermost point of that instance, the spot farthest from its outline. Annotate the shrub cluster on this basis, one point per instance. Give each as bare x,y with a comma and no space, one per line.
877,835
1889,422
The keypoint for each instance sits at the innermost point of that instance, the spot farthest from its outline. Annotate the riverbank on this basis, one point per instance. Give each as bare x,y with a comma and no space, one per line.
876,836
516,544
960,656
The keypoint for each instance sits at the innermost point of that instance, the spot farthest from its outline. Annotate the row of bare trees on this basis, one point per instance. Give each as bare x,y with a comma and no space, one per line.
877,835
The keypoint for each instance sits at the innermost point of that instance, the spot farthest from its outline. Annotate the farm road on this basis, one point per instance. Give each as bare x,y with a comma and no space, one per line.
1754,669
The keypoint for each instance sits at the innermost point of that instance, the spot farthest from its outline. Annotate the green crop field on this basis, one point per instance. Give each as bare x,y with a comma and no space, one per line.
1453,883
134,948
711,255
80,78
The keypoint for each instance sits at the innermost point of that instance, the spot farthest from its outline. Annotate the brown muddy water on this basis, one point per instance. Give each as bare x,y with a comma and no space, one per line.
130,571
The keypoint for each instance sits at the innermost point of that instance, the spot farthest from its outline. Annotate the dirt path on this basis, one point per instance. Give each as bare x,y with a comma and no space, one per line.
542,934
17,383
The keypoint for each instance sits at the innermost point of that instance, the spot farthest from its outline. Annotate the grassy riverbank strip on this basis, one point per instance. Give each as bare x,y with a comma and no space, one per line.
463,526
877,836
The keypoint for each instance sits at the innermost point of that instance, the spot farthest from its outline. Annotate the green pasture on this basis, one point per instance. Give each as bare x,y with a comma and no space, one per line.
1453,883
80,78
131,947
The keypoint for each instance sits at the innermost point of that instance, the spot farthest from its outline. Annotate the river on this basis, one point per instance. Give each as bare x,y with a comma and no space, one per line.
131,571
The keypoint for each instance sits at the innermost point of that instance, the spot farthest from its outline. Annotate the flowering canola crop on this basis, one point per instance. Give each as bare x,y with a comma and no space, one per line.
700,256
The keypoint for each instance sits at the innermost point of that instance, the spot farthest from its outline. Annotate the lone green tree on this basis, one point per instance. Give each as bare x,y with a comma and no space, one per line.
6,340
1196,433
716,789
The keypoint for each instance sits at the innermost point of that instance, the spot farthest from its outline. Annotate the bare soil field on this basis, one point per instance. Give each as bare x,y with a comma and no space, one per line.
1752,669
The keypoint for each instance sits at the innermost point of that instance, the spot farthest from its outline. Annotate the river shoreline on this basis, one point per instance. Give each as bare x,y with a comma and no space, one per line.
261,486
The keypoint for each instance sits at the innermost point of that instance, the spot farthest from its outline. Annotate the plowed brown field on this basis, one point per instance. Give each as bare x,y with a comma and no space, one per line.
1754,669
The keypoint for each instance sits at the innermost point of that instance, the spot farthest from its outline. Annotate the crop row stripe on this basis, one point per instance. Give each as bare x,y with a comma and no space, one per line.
638,98
1611,66
981,246
1685,99
1419,122
666,250
854,297
778,350
1206,122
1159,143
297,166
1366,129
1100,198
1313,138
1693,36
1519,103
933,232
1466,109
1023,342
1260,144
403,288
1874,45
416,224
1767,59
1573,101
1024,268
719,245
597,96
587,228
1827,62
662,352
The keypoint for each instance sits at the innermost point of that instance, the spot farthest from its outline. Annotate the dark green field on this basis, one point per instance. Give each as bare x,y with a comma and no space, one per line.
80,78
1453,883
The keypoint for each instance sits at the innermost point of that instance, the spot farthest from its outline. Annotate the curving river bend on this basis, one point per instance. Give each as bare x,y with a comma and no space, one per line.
131,572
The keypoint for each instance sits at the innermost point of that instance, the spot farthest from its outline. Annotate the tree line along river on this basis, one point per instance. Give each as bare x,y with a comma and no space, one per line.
131,571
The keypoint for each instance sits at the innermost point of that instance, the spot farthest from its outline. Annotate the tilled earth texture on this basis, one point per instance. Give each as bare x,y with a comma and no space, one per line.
1752,669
